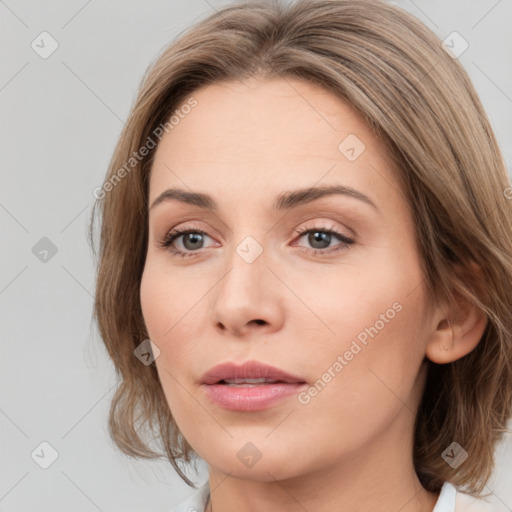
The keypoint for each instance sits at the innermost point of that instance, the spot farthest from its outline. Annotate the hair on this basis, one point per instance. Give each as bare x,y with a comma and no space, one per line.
419,100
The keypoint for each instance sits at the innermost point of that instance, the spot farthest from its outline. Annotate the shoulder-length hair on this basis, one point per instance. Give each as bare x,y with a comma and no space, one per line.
419,100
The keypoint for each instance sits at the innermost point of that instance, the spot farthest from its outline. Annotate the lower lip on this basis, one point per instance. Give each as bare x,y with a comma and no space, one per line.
254,398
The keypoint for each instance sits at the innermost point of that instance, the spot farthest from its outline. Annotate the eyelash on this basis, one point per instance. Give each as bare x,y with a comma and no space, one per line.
174,234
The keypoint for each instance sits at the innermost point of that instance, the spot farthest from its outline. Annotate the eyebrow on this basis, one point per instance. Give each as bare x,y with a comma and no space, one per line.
284,201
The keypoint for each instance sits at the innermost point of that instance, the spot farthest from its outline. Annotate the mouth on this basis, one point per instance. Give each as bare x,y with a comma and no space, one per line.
252,386
250,372
248,383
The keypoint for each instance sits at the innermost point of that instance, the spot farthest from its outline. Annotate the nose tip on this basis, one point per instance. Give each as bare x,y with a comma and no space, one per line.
245,299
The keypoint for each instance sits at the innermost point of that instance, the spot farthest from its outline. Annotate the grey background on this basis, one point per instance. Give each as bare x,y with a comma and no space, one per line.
61,117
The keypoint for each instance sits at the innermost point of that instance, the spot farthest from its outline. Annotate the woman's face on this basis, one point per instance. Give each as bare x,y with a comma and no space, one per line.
326,287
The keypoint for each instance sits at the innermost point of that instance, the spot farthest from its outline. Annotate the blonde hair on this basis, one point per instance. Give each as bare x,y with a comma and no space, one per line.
420,101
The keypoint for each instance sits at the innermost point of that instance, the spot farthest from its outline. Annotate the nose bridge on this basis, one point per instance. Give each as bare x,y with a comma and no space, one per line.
246,264
244,293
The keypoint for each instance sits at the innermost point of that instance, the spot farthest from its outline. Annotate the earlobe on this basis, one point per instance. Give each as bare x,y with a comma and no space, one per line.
457,333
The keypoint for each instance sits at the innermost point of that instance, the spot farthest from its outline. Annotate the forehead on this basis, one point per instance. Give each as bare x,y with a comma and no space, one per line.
266,135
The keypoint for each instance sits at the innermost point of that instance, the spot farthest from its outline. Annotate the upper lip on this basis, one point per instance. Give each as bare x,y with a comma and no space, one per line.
248,370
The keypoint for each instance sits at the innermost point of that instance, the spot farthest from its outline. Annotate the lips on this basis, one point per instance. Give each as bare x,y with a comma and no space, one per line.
250,373
252,386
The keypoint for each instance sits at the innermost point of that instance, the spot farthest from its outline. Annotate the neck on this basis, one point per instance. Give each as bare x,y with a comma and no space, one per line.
406,497
376,478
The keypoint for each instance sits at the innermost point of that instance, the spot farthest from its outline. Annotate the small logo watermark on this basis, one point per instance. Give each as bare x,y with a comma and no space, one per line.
44,455
147,352
454,455
249,249
44,45
454,45
44,250
249,454
351,147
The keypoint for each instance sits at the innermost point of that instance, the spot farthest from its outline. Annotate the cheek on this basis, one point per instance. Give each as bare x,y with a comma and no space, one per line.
368,370
166,311
376,340
168,301
355,399
363,302
176,322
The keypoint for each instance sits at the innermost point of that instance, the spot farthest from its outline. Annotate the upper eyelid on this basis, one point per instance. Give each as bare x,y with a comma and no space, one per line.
185,229
325,216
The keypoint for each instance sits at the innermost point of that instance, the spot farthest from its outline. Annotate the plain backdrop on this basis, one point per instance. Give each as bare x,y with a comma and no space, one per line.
61,115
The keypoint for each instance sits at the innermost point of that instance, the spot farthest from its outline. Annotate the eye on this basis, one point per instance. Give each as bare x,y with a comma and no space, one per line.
320,238
191,240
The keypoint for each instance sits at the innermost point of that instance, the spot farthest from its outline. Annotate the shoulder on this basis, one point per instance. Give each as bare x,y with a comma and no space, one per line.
196,502
467,503
452,499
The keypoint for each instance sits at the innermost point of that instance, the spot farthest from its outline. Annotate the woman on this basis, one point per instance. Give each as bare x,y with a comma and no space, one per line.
305,264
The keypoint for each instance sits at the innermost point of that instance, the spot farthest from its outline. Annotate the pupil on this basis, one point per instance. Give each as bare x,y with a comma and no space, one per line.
193,238
318,237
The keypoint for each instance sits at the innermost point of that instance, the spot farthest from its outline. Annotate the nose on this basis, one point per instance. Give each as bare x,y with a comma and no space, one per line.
246,299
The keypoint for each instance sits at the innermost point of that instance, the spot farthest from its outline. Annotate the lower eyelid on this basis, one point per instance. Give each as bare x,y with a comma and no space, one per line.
330,250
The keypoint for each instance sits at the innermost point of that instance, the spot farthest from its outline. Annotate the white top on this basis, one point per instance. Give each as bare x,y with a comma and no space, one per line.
450,500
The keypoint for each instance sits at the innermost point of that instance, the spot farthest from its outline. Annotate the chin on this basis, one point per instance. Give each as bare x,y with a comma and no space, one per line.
255,461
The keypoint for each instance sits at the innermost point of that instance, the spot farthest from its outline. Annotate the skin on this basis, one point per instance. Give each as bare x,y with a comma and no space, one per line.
350,447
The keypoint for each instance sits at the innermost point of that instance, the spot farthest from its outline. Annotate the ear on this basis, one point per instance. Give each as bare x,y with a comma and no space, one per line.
459,328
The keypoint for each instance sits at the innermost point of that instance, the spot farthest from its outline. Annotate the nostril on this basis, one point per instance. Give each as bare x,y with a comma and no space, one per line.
259,322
